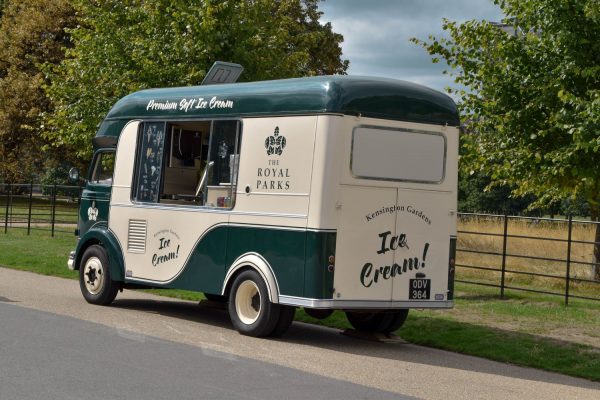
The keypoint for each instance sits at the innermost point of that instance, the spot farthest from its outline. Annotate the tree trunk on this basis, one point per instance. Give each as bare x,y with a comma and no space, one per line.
595,214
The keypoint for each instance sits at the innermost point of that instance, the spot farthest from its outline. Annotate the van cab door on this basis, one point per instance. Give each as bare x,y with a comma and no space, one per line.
95,198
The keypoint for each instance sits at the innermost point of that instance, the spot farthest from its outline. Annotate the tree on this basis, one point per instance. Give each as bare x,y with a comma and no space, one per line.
475,195
126,45
31,32
532,98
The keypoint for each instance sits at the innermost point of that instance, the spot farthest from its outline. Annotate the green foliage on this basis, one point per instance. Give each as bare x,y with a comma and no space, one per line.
31,32
532,98
56,173
475,195
126,45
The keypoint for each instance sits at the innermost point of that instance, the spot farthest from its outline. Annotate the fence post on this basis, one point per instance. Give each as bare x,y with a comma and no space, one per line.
53,207
30,201
8,197
505,238
568,277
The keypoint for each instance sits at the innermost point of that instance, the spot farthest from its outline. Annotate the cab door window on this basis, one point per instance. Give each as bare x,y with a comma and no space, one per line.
104,165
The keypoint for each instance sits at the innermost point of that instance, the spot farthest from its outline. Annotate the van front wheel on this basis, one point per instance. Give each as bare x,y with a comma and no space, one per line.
95,282
250,310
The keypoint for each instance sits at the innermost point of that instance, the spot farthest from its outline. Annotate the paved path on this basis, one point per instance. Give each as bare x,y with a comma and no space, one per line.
50,356
403,369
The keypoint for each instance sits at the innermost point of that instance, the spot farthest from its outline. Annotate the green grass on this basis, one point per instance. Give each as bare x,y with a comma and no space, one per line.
40,252
525,329
502,345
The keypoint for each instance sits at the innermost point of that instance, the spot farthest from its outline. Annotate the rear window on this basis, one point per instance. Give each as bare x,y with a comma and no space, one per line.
398,154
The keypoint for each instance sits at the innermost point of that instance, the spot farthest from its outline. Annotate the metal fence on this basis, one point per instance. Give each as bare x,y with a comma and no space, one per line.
52,208
541,255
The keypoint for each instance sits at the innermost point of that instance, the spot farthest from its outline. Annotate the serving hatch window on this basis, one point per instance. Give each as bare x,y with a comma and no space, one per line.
398,154
188,163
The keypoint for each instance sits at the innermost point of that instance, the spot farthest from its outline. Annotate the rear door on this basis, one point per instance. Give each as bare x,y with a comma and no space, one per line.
423,225
398,203
364,221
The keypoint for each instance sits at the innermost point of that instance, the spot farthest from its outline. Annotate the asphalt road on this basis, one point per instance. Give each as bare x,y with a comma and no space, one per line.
50,356
55,345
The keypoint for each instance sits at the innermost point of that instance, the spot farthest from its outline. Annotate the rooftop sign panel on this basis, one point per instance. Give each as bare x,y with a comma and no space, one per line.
347,95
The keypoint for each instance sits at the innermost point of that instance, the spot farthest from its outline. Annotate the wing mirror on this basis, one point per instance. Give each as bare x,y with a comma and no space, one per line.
74,175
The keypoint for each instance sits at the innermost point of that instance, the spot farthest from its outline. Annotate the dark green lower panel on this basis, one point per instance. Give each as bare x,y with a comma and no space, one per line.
299,259
205,269
451,268
318,280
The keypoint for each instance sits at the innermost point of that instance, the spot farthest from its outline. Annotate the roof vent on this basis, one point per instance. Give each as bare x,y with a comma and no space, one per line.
222,72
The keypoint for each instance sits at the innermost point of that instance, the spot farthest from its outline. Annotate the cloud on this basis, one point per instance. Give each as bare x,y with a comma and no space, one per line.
377,34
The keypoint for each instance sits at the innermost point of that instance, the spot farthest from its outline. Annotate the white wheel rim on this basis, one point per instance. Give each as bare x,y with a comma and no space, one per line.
247,302
93,275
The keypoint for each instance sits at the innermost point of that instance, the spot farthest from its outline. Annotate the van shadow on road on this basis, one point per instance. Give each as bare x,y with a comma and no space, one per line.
332,339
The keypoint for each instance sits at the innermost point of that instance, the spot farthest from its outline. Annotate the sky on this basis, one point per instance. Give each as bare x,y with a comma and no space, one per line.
377,32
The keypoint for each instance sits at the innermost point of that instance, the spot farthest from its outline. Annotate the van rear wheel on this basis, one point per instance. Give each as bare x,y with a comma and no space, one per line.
377,322
250,310
369,321
95,281
397,321
318,313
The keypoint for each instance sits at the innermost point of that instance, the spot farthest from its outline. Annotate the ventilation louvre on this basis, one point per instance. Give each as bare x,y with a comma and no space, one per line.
136,240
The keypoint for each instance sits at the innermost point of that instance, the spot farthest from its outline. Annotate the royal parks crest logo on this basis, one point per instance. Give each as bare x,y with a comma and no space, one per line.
275,143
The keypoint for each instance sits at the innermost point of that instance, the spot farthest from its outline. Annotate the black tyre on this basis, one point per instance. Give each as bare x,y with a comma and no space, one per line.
399,317
286,317
95,282
318,313
217,298
370,321
250,310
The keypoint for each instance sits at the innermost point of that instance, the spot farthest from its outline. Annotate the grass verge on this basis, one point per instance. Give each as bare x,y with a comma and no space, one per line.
523,329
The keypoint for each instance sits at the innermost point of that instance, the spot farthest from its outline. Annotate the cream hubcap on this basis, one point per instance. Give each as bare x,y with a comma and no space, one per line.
247,302
93,275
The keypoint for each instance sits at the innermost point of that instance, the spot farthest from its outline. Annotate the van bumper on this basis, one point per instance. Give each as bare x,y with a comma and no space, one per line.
361,304
71,261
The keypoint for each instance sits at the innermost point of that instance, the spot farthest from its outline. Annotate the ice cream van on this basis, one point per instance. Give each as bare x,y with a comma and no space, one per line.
327,193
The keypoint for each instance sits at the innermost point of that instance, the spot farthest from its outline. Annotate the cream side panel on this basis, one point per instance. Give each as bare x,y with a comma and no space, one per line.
172,234
121,189
327,169
274,179
125,158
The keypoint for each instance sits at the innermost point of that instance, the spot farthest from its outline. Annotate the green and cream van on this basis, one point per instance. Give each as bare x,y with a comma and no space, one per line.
327,193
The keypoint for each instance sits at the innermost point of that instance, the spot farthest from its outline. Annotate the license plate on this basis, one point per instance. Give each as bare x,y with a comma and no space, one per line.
419,289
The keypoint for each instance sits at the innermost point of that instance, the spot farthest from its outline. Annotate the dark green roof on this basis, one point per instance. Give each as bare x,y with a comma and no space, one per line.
350,95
